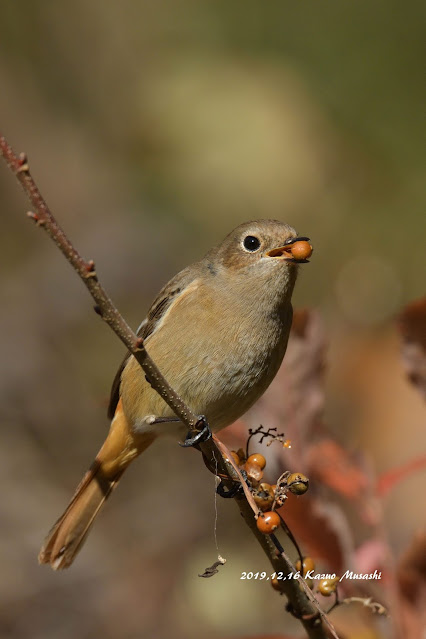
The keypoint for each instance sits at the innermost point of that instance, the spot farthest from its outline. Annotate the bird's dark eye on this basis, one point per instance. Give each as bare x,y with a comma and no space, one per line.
251,243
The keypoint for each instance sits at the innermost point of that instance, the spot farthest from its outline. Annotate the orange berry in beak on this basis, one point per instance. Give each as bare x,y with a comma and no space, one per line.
301,250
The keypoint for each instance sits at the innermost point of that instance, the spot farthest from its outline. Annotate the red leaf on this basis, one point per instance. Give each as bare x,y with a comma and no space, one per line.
333,466
389,479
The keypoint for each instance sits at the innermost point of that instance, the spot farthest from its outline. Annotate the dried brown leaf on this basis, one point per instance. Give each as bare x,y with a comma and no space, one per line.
412,325
411,576
412,572
321,528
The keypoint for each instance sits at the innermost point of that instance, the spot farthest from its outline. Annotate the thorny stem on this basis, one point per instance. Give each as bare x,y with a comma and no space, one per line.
303,604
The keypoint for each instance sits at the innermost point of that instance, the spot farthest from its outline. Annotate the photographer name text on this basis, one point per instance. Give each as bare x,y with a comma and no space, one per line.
311,574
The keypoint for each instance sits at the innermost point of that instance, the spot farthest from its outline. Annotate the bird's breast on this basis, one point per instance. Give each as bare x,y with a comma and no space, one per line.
218,357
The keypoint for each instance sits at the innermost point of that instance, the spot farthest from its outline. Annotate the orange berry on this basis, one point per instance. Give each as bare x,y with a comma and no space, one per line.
267,488
275,583
327,586
297,483
280,501
308,565
253,471
301,250
235,457
241,454
263,496
258,459
269,522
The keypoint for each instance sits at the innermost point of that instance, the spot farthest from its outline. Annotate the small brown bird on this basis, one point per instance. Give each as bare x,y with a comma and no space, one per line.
218,332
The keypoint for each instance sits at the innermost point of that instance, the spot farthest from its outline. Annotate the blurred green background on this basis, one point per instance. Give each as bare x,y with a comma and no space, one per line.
153,129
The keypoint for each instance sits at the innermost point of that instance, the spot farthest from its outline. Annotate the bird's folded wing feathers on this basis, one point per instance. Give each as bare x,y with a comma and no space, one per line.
171,291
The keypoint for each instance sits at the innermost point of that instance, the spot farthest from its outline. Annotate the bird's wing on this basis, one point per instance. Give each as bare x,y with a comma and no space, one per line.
171,291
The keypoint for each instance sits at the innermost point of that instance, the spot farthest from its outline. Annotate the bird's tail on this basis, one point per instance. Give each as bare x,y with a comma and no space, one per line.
70,531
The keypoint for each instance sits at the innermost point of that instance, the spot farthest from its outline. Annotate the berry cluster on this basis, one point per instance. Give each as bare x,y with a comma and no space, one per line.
268,497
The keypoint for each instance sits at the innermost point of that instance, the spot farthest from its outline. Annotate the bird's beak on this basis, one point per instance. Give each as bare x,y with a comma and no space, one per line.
286,252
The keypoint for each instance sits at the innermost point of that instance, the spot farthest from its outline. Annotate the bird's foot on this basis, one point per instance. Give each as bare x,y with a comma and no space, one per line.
237,488
204,433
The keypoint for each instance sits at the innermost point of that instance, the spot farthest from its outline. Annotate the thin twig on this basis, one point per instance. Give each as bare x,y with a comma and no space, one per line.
303,604
87,272
367,602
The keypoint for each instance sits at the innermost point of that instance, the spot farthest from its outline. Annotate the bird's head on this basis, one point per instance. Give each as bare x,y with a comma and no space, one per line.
262,253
